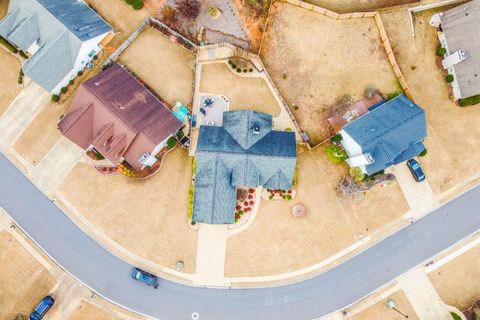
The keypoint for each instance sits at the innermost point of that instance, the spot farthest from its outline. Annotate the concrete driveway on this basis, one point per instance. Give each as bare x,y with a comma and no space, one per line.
419,195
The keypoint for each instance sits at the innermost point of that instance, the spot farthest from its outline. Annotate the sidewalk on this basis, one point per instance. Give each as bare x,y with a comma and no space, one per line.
20,113
419,195
211,248
423,297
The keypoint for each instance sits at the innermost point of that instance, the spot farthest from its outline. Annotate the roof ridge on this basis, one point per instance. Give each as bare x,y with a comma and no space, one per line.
85,109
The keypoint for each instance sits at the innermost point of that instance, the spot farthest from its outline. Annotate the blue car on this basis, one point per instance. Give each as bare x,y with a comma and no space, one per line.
145,277
416,170
42,308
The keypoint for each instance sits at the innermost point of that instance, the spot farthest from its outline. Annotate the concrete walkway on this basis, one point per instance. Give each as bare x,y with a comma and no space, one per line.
419,195
56,164
20,113
211,249
423,297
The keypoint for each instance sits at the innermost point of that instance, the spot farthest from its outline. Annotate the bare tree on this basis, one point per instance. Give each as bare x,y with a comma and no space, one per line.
189,9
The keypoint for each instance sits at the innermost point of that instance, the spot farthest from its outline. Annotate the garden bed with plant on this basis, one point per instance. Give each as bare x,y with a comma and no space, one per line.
245,204
277,194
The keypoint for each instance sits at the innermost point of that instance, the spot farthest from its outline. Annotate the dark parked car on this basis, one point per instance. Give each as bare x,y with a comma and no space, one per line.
42,308
416,170
145,277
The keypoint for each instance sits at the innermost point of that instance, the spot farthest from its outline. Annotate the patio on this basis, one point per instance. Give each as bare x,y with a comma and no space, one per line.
212,108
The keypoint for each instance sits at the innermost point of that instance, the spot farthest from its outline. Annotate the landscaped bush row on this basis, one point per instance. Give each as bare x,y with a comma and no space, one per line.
136,4
8,45
238,69
470,101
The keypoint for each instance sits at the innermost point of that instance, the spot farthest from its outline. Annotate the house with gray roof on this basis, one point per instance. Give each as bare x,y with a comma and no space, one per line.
458,31
387,135
244,152
61,37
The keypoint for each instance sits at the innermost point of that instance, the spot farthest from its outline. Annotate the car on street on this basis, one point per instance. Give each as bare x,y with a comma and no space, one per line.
416,170
42,308
145,277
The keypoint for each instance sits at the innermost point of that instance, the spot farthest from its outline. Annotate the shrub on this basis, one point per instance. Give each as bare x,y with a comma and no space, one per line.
137,4
336,138
21,317
336,154
99,156
423,153
70,82
239,70
55,98
449,78
95,57
189,9
357,174
171,142
392,95
288,129
8,45
63,90
245,70
230,62
22,54
441,51
250,70
234,66
80,73
455,316
470,101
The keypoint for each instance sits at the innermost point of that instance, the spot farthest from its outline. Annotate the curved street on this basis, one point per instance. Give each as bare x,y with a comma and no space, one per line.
109,276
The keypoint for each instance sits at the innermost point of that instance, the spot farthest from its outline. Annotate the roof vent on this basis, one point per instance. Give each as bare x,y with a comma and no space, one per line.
96,83
256,129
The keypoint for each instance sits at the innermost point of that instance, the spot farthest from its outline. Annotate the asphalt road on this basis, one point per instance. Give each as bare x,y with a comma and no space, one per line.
109,276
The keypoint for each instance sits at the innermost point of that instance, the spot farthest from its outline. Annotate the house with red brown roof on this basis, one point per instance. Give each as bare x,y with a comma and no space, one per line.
117,116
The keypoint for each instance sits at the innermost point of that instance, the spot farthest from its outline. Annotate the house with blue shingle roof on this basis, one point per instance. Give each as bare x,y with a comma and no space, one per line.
389,134
244,152
61,37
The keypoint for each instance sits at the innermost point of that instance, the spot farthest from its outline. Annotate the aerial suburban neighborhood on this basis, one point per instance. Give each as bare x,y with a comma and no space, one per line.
240,159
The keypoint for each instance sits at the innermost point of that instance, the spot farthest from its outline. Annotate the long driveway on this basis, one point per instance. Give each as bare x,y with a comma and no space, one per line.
109,276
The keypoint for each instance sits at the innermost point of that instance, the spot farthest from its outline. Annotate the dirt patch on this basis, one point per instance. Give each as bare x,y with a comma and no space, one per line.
315,61
254,22
277,242
87,311
8,81
380,311
347,6
166,67
243,92
457,281
147,217
452,144
24,281
4,8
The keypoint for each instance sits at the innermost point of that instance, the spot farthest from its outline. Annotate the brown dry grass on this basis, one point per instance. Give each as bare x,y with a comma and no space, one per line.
9,88
166,67
147,217
324,59
277,242
4,8
347,6
23,280
452,142
87,311
457,281
379,311
243,93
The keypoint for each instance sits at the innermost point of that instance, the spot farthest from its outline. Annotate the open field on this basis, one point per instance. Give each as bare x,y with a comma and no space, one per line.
277,242
452,142
166,67
379,311
315,61
147,217
243,92
8,81
347,6
87,311
457,281
23,280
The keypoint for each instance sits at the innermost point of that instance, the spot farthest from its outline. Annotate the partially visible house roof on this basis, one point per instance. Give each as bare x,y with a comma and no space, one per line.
58,28
391,133
461,26
244,152
119,116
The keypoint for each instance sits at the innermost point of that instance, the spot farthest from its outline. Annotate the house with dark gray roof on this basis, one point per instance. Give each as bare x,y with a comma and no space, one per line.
387,135
458,31
244,152
61,37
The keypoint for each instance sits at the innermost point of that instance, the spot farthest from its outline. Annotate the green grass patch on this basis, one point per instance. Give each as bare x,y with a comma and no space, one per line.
8,45
455,316
470,101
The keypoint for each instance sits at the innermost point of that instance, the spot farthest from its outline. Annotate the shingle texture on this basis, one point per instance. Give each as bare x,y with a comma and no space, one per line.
119,116
244,152
58,28
391,133
461,26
